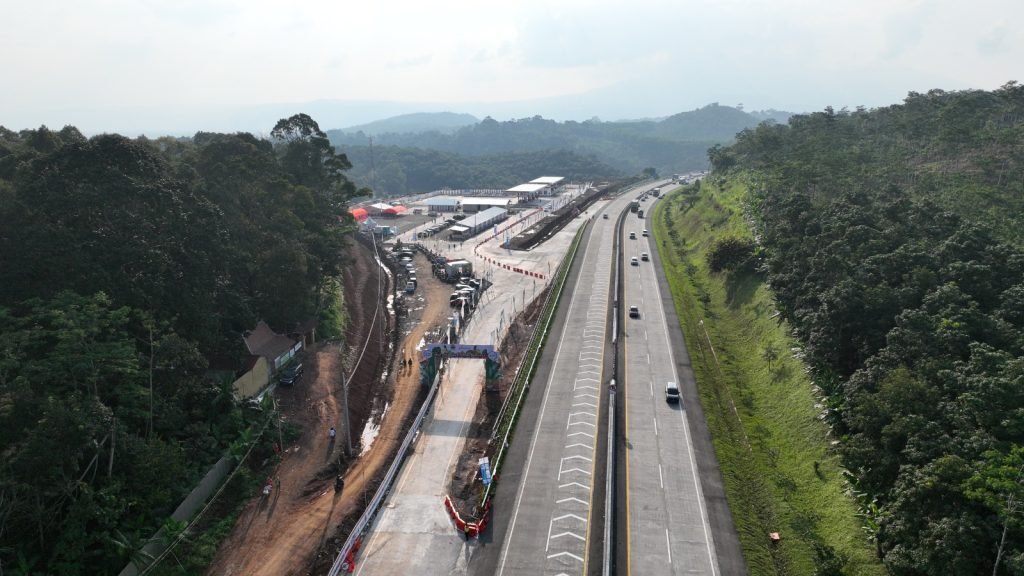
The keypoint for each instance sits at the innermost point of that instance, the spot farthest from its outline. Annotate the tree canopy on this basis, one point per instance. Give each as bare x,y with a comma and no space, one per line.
125,266
891,238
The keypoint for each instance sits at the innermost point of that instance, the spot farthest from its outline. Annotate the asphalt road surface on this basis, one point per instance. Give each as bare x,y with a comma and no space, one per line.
668,530
548,516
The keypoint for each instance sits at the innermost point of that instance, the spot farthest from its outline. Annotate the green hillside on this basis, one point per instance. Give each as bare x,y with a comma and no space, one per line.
891,241
962,150
129,270
398,171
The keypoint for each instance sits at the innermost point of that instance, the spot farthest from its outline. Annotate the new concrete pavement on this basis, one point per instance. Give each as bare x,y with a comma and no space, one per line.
413,533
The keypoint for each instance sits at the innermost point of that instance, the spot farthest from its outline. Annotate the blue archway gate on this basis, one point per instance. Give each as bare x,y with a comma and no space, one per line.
432,355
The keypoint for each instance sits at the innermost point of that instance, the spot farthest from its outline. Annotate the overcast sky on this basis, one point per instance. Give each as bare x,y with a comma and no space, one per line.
182,65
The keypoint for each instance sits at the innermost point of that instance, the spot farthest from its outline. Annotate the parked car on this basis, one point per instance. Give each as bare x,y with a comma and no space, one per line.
459,217
290,375
634,312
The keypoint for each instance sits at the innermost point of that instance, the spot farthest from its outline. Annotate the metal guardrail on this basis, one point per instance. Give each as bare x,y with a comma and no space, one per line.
385,487
608,557
608,566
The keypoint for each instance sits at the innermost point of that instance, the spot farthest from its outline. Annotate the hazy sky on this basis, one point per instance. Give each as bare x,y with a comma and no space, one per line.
183,65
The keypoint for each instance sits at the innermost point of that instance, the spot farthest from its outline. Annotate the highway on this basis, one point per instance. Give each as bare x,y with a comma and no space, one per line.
551,521
668,529
670,512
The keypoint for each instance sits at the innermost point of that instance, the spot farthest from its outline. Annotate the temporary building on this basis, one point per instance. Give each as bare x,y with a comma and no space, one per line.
481,204
359,214
528,191
394,210
442,204
480,221
378,208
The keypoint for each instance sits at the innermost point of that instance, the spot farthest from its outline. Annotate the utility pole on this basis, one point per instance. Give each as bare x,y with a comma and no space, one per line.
344,409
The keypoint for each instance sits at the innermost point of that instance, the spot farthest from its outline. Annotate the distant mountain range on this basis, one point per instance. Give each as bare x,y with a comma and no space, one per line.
677,143
443,122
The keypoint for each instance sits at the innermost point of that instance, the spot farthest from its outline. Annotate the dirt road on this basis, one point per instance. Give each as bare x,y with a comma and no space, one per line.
281,536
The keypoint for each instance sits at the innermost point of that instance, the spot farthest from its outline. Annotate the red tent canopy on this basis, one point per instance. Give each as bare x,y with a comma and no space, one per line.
359,214
395,210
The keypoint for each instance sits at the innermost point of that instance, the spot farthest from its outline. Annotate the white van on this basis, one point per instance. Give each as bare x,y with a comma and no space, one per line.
671,392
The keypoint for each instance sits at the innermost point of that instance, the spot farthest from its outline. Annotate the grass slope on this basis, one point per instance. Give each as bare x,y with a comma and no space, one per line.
779,473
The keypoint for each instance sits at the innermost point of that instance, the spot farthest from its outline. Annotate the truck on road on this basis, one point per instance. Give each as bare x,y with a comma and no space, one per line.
634,206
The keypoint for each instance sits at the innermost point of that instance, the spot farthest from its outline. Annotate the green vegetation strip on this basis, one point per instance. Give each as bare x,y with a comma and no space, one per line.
773,450
505,427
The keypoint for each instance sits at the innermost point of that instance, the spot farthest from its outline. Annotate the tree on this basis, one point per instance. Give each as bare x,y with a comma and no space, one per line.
769,354
998,483
730,253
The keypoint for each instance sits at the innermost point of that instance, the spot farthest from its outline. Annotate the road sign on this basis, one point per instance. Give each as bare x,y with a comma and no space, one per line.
485,471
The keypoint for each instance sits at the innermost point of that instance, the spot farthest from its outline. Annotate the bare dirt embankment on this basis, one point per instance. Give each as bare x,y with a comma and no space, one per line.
299,528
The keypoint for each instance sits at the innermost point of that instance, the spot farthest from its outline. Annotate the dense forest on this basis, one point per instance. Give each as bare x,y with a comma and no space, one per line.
891,239
125,267
396,171
675,144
